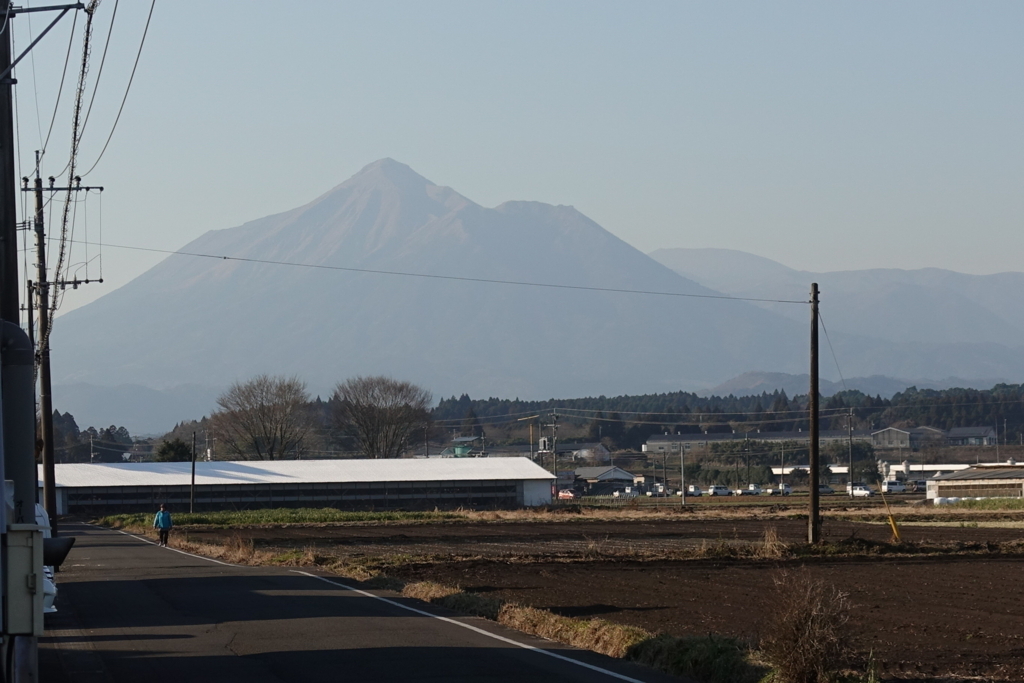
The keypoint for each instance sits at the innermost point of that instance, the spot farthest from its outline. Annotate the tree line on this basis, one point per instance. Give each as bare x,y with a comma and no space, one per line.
274,417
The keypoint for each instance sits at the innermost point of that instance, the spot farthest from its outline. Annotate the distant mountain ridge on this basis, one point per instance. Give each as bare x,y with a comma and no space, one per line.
929,305
208,322
211,322
754,383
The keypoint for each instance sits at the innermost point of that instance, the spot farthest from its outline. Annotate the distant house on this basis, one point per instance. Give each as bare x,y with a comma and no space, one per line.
913,438
462,447
602,480
971,436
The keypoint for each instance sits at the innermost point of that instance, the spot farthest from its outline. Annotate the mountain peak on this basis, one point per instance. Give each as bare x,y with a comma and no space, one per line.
388,172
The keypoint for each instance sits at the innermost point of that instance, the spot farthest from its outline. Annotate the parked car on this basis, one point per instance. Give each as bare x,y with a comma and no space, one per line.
780,490
719,490
692,490
825,489
893,487
751,490
567,494
862,491
627,493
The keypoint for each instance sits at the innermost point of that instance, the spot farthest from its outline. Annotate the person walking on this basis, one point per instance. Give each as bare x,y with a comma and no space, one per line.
162,523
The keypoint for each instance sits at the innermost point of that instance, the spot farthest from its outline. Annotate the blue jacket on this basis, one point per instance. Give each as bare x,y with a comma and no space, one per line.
162,520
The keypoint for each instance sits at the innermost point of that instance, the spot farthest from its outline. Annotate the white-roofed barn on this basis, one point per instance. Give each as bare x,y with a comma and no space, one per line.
343,484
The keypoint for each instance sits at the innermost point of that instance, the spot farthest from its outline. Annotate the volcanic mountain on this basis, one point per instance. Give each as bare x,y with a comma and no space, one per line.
284,304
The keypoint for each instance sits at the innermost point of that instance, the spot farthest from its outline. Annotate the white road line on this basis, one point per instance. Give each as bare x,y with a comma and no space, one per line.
399,605
481,631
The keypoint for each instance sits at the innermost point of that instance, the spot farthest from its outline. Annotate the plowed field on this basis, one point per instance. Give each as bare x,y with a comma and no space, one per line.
947,617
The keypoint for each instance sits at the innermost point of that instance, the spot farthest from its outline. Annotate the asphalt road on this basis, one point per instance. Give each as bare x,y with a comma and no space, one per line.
131,611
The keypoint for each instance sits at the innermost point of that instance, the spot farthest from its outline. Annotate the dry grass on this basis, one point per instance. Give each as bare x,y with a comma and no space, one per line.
771,547
711,659
805,627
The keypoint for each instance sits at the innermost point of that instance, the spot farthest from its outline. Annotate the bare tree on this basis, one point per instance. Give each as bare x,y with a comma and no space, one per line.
383,411
266,418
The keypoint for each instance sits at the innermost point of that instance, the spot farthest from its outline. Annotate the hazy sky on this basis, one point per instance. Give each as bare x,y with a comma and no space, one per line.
826,136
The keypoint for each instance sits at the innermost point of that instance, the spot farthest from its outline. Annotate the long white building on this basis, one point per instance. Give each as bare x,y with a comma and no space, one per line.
342,484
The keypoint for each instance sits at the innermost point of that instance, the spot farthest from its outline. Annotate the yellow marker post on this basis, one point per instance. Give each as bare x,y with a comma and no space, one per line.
892,520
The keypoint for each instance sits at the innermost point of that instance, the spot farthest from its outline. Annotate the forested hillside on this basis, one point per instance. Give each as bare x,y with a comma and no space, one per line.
633,418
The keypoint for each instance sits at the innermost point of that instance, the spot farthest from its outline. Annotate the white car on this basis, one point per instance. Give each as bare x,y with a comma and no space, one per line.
692,490
862,491
719,490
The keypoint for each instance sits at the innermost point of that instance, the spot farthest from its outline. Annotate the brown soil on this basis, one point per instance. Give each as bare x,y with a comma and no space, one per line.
496,539
947,617
922,618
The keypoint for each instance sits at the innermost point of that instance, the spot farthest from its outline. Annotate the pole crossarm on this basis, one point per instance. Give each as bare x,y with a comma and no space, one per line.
19,10
64,189
48,8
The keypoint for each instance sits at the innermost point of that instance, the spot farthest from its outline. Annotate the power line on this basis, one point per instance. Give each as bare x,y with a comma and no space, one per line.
60,89
520,283
131,78
103,61
829,340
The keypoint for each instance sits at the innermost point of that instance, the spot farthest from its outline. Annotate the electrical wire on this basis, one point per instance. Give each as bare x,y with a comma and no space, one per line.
60,89
103,61
694,412
520,283
838,369
131,78
35,82
76,139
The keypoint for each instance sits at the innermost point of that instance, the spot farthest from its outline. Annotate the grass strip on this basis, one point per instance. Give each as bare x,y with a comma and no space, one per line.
230,518
711,659
995,504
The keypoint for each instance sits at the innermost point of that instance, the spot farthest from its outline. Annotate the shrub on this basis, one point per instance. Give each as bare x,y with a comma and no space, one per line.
805,629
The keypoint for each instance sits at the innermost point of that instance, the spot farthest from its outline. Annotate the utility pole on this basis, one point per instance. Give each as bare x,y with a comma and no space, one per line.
813,519
682,478
782,469
849,430
8,206
21,578
43,359
42,290
554,445
192,488
531,418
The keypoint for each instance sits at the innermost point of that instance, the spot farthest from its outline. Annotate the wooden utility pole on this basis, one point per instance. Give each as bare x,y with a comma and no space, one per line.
813,518
682,477
43,353
42,289
192,488
849,432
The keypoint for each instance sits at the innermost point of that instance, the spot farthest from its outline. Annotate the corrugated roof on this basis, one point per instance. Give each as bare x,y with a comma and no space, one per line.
989,472
598,472
297,472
